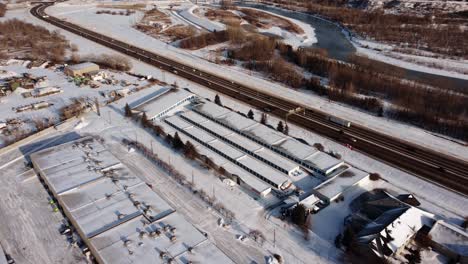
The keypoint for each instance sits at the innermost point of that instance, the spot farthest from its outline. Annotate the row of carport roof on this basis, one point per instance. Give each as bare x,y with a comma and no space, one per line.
298,152
266,173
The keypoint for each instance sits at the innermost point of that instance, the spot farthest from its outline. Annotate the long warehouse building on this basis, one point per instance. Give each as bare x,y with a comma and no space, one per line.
115,213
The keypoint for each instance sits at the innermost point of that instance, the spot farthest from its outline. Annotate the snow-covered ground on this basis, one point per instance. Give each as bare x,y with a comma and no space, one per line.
306,39
391,127
440,66
69,91
289,243
203,22
443,67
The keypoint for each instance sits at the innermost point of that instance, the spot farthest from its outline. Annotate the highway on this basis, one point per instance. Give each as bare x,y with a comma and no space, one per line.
438,168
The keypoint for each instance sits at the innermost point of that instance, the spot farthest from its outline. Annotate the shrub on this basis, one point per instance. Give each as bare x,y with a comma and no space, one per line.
374,176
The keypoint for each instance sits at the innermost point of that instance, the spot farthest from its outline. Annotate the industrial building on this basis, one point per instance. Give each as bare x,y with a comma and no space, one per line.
449,240
161,102
336,185
304,155
81,69
117,215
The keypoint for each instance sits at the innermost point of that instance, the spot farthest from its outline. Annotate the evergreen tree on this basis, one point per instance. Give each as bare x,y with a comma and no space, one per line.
286,130
144,120
169,139
280,127
299,215
263,120
128,111
190,151
217,100
250,114
177,142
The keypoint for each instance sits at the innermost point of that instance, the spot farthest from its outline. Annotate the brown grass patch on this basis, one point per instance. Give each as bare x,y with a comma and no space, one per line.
179,32
224,16
156,15
24,40
140,7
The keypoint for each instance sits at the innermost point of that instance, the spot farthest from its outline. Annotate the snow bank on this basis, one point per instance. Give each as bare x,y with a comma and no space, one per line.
295,40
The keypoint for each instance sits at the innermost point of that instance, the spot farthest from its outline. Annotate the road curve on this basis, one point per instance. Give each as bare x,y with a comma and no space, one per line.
438,168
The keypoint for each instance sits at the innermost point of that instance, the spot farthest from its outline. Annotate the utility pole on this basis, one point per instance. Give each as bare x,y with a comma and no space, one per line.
109,113
152,152
274,237
98,111
193,182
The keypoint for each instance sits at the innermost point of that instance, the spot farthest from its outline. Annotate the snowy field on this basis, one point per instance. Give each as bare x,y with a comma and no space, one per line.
69,91
404,131
440,66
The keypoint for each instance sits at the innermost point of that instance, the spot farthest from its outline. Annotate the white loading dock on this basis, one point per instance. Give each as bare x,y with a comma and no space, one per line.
136,241
340,183
161,103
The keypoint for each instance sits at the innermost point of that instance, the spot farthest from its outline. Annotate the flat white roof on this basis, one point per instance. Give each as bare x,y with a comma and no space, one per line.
310,200
229,151
277,177
218,159
200,134
278,160
265,134
100,215
81,66
244,142
211,109
206,253
323,161
163,101
146,249
195,117
251,180
217,128
404,227
178,122
113,205
151,96
295,148
236,121
339,183
451,237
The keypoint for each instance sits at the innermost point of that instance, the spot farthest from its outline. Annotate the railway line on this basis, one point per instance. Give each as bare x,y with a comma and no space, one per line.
441,169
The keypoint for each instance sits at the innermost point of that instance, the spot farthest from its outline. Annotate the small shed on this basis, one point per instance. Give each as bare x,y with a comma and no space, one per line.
81,69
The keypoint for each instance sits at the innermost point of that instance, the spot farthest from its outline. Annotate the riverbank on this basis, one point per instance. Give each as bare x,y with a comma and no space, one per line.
341,44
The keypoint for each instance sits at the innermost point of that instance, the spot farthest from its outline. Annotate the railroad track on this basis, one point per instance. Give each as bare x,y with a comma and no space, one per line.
441,169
